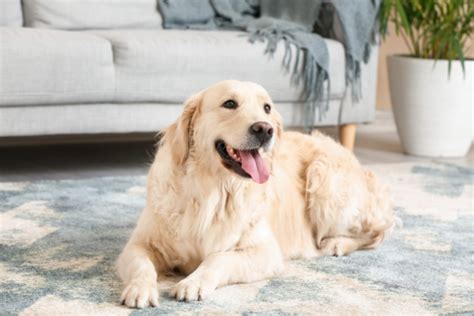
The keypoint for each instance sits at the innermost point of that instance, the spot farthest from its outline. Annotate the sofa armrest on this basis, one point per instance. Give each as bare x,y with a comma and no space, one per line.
362,110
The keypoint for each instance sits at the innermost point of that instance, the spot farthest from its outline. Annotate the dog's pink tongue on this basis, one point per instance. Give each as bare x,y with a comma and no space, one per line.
254,165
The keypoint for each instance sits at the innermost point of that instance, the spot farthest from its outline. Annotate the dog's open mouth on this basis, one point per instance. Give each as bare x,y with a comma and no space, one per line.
247,163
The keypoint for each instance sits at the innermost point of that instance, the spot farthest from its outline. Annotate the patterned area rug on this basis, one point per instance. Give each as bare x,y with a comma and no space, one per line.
59,241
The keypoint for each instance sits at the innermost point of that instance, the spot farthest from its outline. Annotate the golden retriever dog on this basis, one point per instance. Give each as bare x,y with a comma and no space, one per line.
230,196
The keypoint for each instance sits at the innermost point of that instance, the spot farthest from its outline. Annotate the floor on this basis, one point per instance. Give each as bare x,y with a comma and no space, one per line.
376,143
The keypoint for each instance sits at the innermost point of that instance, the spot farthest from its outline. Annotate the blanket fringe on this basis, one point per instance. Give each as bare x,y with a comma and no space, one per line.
303,67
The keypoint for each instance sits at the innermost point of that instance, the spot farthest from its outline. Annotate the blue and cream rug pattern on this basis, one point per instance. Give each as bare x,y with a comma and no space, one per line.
59,240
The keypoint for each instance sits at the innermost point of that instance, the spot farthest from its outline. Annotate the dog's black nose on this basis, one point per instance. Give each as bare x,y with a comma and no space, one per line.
262,130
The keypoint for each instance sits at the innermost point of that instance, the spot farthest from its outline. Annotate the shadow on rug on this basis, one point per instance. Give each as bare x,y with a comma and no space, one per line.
59,241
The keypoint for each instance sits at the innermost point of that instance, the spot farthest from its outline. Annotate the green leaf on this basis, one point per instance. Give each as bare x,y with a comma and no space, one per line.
458,48
449,68
403,17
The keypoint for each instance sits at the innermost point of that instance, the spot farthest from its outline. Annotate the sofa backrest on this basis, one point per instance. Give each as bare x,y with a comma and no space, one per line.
10,13
81,14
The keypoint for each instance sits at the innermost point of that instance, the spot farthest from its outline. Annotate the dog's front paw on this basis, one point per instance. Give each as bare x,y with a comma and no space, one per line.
193,288
140,294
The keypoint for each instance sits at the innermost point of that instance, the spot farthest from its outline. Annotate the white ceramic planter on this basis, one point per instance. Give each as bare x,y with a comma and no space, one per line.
433,111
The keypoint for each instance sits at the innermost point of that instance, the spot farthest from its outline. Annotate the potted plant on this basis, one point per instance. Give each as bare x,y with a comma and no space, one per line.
432,87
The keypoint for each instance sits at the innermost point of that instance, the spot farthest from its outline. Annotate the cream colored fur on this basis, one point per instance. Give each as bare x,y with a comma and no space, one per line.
219,228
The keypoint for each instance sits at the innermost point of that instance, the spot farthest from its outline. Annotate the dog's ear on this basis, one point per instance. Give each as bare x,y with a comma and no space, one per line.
279,124
180,134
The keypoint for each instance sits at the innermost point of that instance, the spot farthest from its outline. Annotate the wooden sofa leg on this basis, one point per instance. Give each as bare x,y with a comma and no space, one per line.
347,134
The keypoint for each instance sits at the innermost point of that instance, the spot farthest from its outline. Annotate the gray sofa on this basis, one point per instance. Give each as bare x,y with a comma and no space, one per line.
93,67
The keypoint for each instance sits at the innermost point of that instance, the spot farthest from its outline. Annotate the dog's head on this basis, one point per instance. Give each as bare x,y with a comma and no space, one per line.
231,125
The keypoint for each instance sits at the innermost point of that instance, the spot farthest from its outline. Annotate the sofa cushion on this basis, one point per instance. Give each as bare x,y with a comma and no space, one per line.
91,14
169,65
54,67
10,13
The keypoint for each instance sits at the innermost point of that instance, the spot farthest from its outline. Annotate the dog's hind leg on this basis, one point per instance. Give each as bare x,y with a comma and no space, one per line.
343,245
347,208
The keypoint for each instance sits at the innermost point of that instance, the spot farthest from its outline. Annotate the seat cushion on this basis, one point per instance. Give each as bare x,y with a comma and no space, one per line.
10,13
91,14
54,67
169,65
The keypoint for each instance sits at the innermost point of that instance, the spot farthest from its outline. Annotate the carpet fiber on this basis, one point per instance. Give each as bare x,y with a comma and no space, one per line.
59,241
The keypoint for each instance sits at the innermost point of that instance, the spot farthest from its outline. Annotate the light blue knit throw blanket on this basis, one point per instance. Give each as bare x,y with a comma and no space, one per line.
298,23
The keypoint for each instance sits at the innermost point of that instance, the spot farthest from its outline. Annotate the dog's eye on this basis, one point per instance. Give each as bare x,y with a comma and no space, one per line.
230,104
267,108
